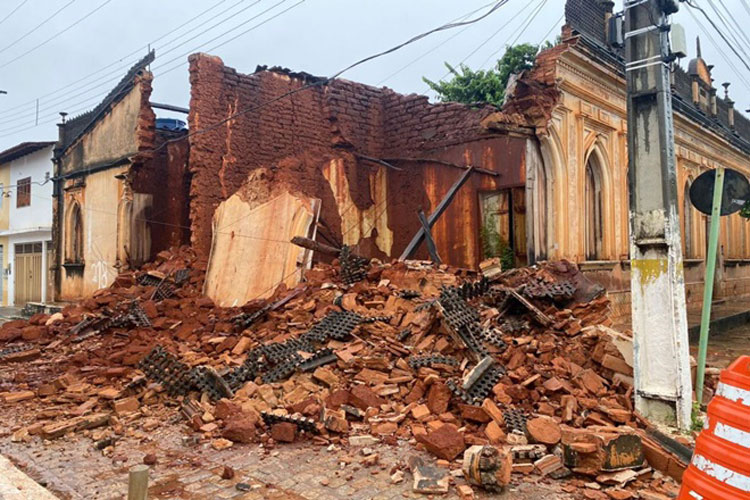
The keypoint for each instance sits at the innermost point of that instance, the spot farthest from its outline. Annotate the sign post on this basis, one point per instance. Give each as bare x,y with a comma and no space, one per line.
715,193
708,284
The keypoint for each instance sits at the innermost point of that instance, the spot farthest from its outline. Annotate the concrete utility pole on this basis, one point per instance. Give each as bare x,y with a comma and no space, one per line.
661,355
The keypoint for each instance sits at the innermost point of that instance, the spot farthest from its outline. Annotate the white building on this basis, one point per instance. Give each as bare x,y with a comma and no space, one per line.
26,221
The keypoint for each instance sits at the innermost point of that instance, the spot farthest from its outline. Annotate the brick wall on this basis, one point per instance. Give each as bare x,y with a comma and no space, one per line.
587,17
305,130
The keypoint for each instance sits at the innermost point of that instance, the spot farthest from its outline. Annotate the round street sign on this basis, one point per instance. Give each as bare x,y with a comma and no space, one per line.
736,192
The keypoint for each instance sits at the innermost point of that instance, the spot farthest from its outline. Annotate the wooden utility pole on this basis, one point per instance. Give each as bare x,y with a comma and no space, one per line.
661,355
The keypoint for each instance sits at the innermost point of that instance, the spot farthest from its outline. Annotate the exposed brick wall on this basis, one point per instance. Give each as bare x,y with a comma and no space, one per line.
166,178
305,129
588,17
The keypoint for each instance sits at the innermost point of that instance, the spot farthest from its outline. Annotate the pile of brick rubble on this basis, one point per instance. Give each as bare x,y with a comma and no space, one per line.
360,352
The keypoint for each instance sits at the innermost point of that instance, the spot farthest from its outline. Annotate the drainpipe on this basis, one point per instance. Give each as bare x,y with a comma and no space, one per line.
57,221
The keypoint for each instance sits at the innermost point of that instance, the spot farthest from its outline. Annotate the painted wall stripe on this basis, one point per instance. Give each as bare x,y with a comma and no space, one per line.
721,473
732,434
733,393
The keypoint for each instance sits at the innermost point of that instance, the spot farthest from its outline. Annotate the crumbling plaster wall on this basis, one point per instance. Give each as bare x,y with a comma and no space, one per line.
114,176
313,142
110,140
164,176
590,118
100,230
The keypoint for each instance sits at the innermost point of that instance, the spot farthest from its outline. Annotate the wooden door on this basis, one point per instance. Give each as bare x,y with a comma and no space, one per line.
496,231
503,231
28,273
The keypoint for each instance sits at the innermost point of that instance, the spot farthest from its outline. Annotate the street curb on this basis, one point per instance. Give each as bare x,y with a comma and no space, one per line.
720,325
15,485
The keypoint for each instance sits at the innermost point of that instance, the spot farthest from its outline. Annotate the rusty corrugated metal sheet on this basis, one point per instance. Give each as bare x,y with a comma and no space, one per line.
457,232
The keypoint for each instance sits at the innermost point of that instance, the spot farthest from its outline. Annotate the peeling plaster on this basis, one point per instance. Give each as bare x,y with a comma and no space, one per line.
359,224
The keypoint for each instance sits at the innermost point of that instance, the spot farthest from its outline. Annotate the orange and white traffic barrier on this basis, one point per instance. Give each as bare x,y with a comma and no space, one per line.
720,467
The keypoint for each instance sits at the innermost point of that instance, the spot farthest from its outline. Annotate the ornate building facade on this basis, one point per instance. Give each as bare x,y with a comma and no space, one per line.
577,194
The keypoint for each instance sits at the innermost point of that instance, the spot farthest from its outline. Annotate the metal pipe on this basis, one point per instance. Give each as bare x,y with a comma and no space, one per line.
708,286
169,107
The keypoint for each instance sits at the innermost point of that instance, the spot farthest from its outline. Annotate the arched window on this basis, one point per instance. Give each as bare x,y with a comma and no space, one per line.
688,223
74,234
594,223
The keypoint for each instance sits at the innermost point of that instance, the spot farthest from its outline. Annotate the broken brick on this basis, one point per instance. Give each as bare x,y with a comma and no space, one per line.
438,398
445,442
284,432
363,398
544,430
240,429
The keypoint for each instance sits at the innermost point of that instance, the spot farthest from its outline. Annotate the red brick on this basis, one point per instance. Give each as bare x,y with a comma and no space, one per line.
438,398
240,429
544,430
284,432
445,442
363,398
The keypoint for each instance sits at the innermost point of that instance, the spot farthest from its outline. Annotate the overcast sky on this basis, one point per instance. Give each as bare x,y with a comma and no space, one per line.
316,36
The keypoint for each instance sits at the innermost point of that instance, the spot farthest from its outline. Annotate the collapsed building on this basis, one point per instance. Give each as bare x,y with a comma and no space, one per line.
365,349
363,160
120,189
282,154
549,178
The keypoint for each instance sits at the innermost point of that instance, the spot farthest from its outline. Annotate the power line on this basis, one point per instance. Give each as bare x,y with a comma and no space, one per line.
544,38
729,29
327,80
493,35
520,27
734,21
243,23
226,19
721,52
54,116
38,26
55,35
723,37
153,42
13,11
448,73
12,130
448,26
21,115
336,75
137,51
433,49
533,16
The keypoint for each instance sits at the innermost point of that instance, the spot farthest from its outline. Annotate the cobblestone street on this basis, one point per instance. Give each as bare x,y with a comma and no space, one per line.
72,468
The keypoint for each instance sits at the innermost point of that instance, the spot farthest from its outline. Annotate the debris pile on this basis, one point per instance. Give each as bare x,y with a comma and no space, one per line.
520,367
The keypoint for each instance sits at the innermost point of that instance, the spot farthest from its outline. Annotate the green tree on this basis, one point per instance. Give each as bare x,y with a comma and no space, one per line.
469,86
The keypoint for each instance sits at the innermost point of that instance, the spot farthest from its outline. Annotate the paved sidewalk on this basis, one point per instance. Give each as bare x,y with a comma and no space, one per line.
72,468
15,485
